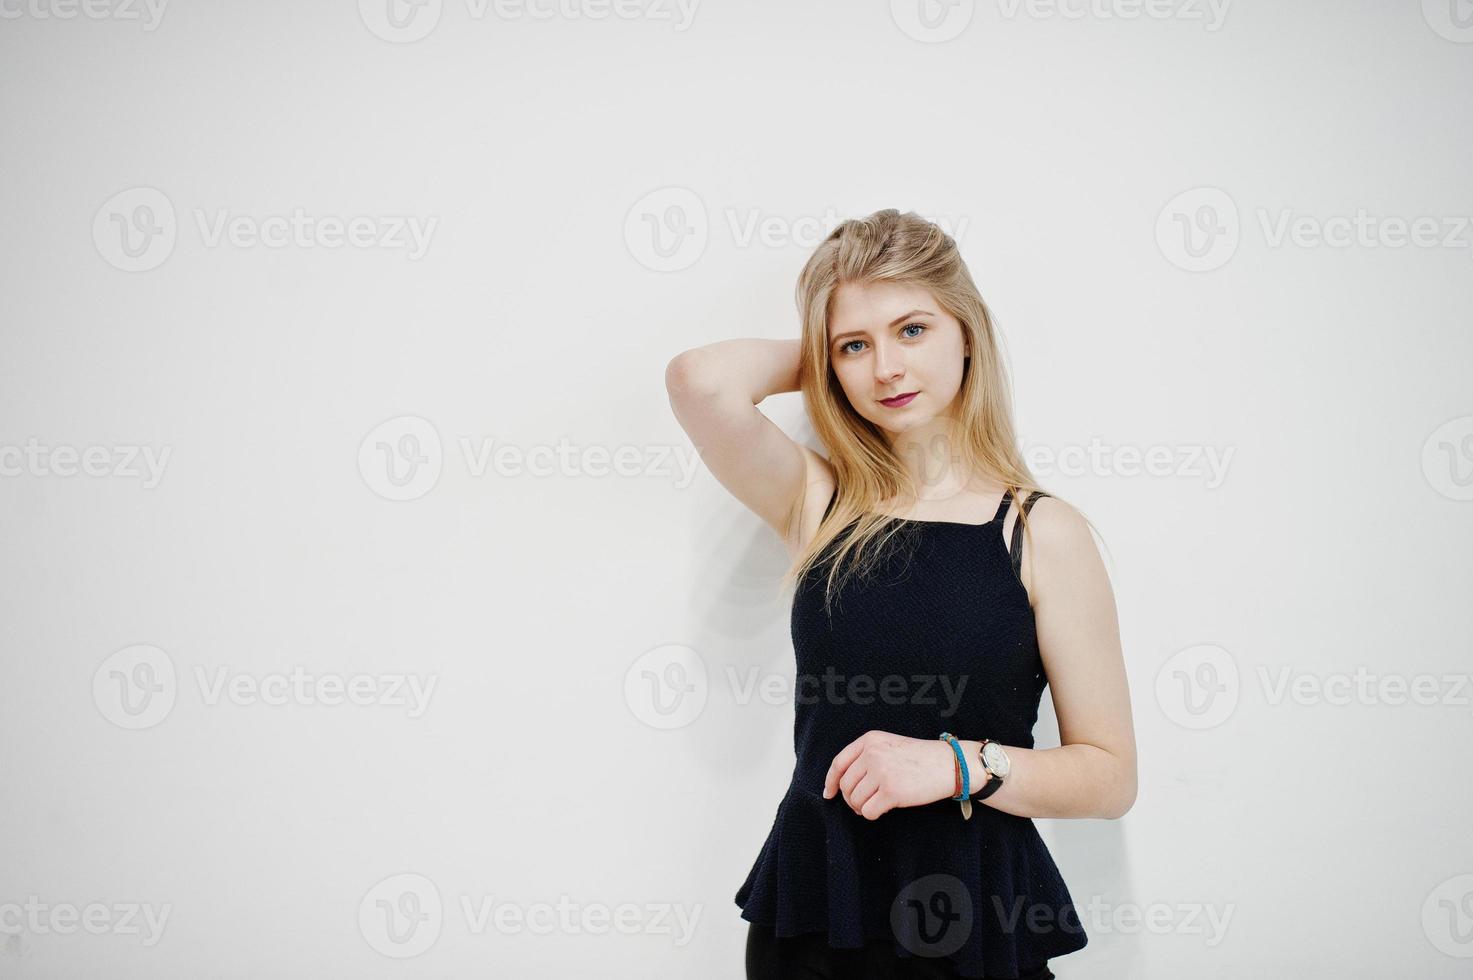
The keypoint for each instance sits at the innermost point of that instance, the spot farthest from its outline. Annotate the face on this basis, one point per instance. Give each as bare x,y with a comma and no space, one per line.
888,339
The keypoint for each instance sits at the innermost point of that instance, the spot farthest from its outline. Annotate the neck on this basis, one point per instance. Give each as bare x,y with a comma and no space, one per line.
931,455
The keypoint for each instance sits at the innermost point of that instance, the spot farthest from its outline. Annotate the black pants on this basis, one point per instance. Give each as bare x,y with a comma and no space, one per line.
810,957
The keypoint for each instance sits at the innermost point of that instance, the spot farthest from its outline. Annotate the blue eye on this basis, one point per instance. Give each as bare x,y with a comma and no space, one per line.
844,347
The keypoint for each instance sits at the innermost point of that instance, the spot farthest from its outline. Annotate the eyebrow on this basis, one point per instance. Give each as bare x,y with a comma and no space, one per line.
893,323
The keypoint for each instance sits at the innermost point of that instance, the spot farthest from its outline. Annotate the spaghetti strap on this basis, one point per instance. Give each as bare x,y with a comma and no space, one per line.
832,497
1002,507
1016,552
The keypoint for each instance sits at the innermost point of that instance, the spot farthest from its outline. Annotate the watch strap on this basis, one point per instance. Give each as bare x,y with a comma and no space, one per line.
994,781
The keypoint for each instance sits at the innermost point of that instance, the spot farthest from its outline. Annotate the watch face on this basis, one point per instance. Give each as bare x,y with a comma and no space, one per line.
996,758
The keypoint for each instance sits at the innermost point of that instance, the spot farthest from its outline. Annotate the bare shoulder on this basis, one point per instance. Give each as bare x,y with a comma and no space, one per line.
1058,527
1058,549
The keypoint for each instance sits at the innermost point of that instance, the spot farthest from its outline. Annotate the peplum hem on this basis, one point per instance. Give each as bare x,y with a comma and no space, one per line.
984,893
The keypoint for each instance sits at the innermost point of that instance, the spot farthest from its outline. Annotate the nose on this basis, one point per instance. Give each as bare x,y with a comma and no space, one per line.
888,364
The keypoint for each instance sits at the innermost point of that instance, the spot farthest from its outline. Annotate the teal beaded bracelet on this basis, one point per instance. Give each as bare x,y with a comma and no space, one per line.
965,796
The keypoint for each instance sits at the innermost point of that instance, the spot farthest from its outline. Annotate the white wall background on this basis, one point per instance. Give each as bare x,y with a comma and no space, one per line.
1064,146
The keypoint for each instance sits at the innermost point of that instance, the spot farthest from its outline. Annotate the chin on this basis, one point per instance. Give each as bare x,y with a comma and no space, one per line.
897,426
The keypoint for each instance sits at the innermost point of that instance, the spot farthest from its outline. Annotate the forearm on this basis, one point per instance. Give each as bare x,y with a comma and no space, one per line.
1076,780
752,367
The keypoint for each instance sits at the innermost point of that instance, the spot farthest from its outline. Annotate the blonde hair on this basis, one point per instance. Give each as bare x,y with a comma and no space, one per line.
888,246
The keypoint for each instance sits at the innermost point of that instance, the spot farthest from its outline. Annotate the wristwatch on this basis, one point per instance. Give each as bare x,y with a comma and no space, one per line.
995,761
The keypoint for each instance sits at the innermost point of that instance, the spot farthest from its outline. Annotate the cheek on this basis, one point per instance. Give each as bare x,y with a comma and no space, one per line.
947,366
850,380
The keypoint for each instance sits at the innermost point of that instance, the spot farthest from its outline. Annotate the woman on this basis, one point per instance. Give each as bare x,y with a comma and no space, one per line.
924,632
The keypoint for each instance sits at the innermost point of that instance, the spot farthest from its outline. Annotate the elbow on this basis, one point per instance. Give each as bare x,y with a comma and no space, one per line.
1113,791
1120,808
686,374
1124,799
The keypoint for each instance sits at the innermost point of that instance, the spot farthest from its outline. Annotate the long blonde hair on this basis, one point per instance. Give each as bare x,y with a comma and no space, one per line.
888,246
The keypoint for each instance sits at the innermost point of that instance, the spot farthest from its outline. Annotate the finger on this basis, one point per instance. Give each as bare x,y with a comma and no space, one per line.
863,792
857,770
875,807
837,768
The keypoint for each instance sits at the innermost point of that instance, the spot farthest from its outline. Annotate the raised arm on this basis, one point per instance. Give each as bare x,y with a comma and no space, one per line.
714,391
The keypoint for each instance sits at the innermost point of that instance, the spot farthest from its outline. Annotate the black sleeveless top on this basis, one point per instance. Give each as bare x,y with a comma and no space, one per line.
940,637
